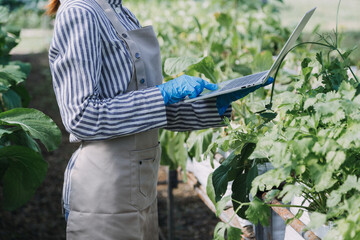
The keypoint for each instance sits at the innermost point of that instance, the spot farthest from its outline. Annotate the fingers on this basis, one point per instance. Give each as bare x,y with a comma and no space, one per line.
193,86
194,94
206,84
197,85
210,86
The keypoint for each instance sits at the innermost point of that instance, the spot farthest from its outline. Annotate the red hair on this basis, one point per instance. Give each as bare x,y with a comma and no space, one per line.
52,7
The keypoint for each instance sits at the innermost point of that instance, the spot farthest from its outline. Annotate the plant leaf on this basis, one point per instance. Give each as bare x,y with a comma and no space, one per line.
233,233
198,142
175,66
26,171
240,193
36,123
220,181
220,205
210,191
219,231
10,100
258,212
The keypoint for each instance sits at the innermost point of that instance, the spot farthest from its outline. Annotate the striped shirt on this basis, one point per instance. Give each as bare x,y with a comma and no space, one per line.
91,69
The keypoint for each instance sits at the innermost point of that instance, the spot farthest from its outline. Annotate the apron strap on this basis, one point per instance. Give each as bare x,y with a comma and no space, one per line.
110,13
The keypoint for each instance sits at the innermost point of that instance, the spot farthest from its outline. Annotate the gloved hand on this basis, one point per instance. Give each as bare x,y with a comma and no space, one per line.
224,101
177,89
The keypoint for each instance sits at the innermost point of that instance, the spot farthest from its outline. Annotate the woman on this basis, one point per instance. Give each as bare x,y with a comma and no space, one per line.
107,79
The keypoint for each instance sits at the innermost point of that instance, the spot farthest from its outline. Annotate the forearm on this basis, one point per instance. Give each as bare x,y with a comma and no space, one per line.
122,115
194,116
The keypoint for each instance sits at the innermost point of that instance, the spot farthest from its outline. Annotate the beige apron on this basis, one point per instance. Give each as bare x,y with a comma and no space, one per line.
113,182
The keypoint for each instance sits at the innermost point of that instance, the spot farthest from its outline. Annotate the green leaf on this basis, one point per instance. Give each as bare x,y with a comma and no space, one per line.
271,195
322,177
6,131
309,103
24,67
10,100
317,220
233,233
36,123
175,66
299,213
350,183
25,173
223,19
165,138
241,189
14,30
333,199
262,61
205,66
252,174
347,91
335,159
220,205
198,142
268,116
230,168
222,229
305,62
287,101
220,181
301,147
11,75
290,191
23,93
22,138
270,179
240,193
242,69
232,161
210,191
177,150
173,151
348,52
4,14
219,231
258,212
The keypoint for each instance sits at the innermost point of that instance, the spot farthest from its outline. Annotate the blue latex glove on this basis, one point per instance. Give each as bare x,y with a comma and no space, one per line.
224,101
177,89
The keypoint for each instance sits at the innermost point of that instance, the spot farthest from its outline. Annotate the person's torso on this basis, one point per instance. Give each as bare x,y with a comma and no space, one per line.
116,64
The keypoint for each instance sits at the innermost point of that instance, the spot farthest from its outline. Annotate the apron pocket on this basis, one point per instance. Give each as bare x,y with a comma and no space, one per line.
145,169
147,173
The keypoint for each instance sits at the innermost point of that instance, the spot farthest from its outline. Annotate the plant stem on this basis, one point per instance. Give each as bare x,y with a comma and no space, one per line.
240,203
235,213
337,23
342,56
328,46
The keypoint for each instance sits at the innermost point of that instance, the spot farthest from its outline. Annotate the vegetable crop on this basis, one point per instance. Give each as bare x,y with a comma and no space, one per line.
22,167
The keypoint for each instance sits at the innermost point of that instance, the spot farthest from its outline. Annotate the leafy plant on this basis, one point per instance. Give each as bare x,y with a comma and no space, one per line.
22,167
311,143
307,132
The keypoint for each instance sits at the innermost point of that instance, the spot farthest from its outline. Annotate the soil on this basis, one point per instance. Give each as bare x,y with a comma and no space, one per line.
41,218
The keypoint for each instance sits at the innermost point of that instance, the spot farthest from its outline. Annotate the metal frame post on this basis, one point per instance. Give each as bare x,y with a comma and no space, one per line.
172,183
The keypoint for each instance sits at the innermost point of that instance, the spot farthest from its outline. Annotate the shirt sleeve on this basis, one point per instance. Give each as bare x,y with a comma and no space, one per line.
75,61
194,116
